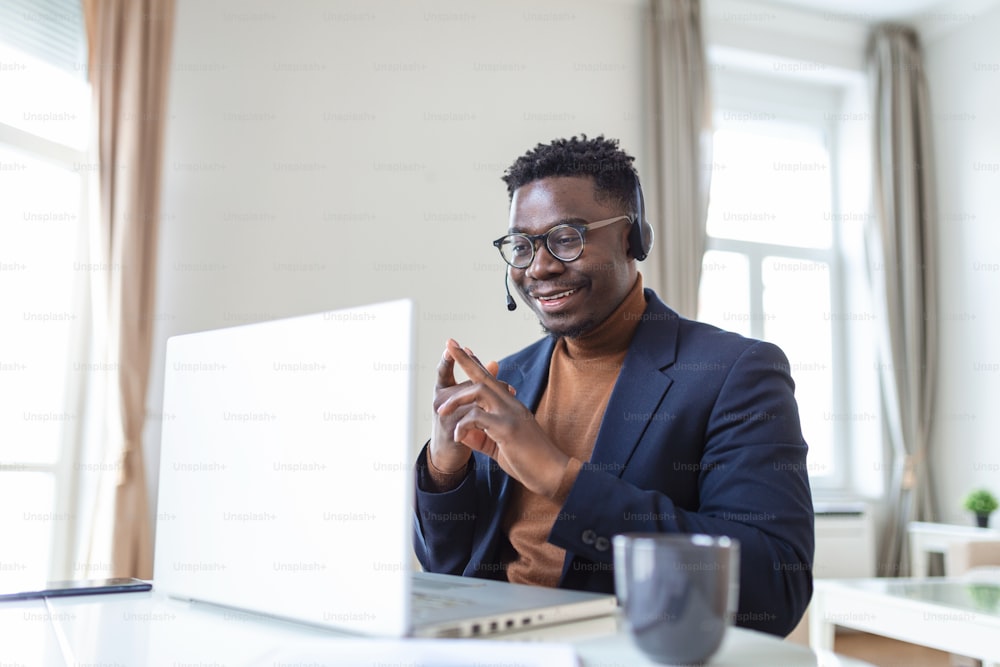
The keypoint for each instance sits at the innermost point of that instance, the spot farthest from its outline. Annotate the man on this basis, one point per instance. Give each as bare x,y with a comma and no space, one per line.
624,418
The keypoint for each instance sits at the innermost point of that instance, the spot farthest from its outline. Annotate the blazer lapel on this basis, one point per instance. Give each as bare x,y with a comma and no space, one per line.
641,386
528,373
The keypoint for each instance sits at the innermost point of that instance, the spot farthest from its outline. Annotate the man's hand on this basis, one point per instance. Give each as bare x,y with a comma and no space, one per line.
482,414
445,453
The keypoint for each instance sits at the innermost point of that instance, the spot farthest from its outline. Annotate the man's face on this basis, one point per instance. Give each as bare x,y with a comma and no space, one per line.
571,298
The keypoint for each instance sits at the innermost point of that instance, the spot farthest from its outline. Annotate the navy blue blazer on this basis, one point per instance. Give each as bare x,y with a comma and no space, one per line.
701,435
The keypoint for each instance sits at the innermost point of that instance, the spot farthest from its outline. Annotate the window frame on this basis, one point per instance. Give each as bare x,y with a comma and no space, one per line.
816,103
62,559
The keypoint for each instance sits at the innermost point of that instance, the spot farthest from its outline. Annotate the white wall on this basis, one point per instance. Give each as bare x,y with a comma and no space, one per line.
963,71
783,36
327,154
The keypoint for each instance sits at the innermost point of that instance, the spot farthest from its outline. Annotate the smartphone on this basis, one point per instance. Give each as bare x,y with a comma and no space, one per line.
79,587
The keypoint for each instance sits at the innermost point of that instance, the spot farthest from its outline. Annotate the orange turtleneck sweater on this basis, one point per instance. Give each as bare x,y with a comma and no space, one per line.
582,374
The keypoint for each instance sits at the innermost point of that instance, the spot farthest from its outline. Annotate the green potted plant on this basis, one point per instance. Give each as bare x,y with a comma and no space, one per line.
981,503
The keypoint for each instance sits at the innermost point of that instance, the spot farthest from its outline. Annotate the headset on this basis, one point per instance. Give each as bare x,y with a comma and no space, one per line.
640,234
640,239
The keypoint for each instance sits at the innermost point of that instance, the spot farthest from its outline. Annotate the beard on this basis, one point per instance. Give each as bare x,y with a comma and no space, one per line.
568,330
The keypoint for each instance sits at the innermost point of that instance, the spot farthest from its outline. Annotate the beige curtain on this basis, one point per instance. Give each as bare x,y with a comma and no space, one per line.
682,151
900,244
129,56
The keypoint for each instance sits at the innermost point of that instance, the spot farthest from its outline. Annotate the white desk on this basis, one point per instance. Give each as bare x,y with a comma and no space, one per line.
135,629
950,615
926,538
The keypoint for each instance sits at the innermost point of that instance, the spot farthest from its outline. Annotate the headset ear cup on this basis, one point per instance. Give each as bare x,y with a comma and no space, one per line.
640,236
636,245
647,238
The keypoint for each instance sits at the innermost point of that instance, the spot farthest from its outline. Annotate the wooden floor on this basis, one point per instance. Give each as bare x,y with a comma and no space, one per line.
886,652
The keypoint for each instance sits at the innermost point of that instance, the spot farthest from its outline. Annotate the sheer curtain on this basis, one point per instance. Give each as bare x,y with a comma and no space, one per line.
682,151
900,244
129,58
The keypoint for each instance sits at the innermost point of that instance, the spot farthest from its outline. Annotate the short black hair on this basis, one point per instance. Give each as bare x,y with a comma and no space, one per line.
610,166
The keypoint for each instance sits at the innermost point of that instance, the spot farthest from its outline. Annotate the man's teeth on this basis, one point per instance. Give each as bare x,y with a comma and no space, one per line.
556,296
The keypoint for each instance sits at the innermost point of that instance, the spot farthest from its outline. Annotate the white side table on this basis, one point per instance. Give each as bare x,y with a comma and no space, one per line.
928,538
950,615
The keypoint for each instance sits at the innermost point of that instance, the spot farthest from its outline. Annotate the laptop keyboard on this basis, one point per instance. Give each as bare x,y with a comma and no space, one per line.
427,601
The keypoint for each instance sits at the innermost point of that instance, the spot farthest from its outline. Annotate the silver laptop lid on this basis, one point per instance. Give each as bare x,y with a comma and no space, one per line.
285,473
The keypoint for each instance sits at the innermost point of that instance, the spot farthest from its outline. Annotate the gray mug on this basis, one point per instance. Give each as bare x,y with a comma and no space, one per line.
678,593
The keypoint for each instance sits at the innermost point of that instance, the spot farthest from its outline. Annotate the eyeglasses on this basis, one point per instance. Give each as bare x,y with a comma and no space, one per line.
564,242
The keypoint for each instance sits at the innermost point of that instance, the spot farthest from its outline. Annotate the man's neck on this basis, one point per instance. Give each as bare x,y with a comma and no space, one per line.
615,333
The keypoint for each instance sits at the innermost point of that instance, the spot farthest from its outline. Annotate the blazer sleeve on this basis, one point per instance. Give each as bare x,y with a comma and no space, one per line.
750,483
444,523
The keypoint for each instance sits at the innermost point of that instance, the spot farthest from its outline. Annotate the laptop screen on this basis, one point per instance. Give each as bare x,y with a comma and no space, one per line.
286,473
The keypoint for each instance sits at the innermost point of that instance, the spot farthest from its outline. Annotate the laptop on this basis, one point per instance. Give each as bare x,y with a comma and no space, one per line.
286,483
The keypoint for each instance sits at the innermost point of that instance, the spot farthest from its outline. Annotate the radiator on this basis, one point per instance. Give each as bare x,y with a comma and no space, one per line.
845,541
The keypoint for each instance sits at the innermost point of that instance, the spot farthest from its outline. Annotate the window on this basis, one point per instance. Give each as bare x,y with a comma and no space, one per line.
44,115
772,269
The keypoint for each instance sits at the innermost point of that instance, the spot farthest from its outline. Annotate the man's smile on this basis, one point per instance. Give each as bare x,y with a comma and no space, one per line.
554,299
554,296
